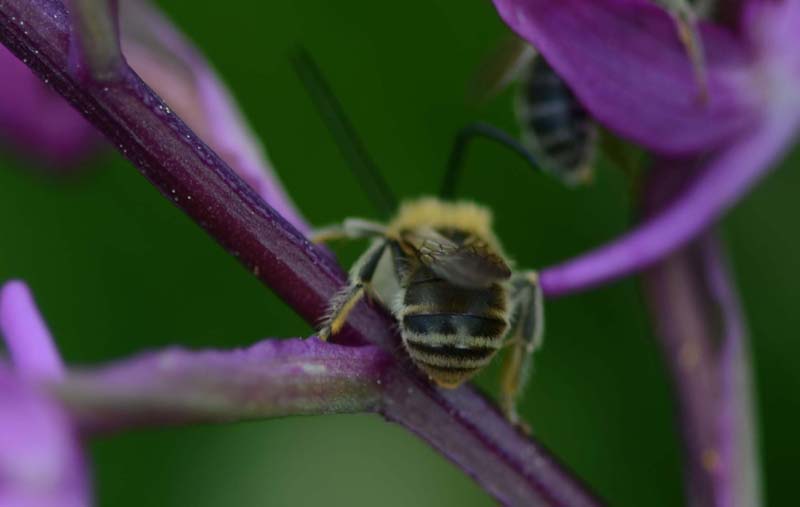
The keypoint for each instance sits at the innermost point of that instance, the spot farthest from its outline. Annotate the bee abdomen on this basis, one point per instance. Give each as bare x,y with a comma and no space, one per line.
451,332
449,365
451,348
436,293
455,324
556,127
449,356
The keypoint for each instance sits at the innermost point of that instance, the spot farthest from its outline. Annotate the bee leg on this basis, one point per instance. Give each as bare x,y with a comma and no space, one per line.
705,9
352,228
686,22
525,337
344,302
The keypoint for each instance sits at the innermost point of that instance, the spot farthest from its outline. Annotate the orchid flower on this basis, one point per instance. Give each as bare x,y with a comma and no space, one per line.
80,55
40,458
62,141
624,62
42,406
41,462
161,55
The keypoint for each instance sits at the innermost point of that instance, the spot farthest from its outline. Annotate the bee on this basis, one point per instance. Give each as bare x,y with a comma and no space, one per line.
441,271
554,127
437,266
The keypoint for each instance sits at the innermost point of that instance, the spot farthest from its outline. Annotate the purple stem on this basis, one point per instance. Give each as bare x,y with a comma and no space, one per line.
169,63
272,378
30,343
738,425
701,332
726,178
461,424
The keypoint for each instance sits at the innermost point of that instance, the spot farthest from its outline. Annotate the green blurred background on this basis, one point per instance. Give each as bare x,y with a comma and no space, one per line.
117,270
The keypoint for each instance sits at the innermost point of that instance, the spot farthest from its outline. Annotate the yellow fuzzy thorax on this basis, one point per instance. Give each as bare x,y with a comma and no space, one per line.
432,212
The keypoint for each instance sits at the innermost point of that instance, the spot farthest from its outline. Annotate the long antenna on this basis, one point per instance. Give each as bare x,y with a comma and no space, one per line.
456,162
342,131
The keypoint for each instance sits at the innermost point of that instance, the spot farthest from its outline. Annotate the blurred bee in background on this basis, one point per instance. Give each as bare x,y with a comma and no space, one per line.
555,128
439,268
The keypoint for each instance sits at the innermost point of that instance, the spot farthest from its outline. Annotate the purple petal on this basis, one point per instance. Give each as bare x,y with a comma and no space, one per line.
719,185
623,60
61,141
771,20
773,29
166,61
41,464
29,341
270,379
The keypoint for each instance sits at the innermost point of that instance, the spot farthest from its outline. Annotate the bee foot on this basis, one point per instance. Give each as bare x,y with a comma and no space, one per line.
518,422
523,427
324,333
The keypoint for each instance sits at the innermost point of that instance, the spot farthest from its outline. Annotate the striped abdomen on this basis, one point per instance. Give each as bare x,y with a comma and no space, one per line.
555,127
451,332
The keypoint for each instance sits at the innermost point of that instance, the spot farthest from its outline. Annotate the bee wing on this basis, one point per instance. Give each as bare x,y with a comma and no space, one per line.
500,68
471,264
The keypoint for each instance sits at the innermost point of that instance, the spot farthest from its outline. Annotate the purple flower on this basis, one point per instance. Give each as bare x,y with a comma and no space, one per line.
41,462
623,60
162,56
29,340
63,140
625,63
